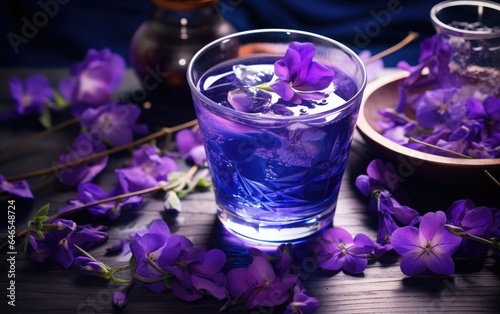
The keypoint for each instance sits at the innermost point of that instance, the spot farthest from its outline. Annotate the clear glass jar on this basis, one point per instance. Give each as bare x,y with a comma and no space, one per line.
161,49
472,28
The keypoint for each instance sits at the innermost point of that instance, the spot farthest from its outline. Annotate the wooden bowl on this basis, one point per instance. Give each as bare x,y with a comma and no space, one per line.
383,93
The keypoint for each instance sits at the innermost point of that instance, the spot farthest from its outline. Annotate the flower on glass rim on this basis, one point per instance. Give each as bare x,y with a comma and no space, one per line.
83,146
427,248
116,123
31,95
93,80
299,77
337,250
18,188
259,284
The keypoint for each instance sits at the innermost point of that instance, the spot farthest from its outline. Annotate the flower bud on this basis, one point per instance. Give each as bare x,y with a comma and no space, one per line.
456,231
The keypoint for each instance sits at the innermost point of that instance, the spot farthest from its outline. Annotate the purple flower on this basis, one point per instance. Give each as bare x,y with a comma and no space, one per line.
259,284
190,146
433,108
281,110
133,179
473,220
282,261
147,247
115,123
93,80
487,113
197,272
391,215
435,54
59,244
299,77
301,302
429,247
380,176
147,171
460,140
32,95
83,146
120,299
92,267
151,163
117,247
18,188
90,193
302,147
337,250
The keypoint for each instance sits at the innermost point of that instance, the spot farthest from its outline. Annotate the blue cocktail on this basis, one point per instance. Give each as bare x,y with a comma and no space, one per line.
276,159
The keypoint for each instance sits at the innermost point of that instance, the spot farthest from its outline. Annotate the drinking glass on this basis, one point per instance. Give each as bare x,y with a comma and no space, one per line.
276,178
472,30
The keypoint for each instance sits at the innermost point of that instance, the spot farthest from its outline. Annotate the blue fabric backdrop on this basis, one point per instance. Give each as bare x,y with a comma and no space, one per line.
74,26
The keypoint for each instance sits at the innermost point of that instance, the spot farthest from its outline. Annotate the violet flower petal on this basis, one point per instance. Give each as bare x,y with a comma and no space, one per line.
18,188
117,247
413,262
405,239
430,224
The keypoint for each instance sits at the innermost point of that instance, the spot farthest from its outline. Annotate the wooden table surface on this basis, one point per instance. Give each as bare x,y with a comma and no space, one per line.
49,288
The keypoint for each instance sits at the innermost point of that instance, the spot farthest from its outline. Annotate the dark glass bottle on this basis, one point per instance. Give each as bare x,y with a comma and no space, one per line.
161,49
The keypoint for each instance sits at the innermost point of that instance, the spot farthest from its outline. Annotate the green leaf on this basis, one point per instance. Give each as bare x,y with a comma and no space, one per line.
61,102
45,118
39,219
43,211
51,228
203,184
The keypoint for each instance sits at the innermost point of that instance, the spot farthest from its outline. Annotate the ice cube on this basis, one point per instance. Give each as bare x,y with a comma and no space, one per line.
251,77
249,99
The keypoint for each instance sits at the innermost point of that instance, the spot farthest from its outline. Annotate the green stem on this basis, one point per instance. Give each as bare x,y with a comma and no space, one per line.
482,240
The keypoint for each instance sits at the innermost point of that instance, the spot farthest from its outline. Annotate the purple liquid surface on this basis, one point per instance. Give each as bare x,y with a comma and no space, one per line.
283,171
